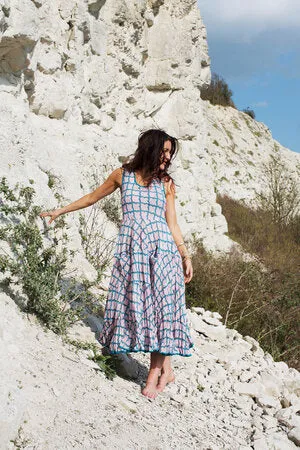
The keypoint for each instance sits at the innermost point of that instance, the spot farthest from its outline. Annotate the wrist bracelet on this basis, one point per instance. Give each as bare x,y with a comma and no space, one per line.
181,243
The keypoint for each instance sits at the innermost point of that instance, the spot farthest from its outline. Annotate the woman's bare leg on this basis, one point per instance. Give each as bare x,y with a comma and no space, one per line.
167,375
156,364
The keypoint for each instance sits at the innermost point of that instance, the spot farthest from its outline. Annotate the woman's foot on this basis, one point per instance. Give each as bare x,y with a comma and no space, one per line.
165,378
150,389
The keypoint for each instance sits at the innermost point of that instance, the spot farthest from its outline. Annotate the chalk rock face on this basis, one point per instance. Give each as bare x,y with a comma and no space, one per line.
239,147
106,54
80,81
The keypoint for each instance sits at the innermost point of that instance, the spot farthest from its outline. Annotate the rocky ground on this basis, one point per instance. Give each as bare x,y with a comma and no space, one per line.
228,395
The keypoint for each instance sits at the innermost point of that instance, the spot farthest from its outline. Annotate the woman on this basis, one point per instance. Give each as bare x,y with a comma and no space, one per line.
145,307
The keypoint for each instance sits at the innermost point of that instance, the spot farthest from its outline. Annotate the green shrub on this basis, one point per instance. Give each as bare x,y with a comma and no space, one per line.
107,363
235,124
218,92
36,267
36,261
250,112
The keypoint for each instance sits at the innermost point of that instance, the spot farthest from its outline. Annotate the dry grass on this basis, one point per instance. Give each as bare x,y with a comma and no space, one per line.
265,305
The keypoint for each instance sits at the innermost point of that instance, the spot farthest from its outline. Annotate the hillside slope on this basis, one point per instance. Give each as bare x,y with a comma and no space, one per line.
228,394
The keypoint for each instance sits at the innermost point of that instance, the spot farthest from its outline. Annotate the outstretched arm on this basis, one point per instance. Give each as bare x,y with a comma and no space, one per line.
171,219
106,188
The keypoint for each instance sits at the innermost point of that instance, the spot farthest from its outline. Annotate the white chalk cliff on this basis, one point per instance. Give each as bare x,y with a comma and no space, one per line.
78,82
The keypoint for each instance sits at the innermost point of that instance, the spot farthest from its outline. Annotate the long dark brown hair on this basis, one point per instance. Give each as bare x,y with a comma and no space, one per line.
147,157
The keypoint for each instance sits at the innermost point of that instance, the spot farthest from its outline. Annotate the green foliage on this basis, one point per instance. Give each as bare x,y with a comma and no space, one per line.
36,260
248,122
20,441
250,112
108,364
218,92
28,262
229,134
112,210
51,179
235,124
276,147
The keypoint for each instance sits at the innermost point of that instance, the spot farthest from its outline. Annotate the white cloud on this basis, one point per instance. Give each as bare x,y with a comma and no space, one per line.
261,104
246,19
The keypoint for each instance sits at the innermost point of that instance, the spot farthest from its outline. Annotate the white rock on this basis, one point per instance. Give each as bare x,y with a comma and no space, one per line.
211,321
260,443
268,401
198,309
216,315
294,435
251,389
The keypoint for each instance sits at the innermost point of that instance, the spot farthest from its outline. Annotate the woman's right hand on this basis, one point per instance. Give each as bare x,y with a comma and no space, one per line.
188,270
53,214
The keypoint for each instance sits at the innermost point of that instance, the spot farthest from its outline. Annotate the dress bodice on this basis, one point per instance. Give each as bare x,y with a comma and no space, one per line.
144,226
148,202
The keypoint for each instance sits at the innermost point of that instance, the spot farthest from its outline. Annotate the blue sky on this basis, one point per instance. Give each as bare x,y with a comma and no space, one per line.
255,46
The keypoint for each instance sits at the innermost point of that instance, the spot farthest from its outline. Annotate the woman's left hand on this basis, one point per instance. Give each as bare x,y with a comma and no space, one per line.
188,270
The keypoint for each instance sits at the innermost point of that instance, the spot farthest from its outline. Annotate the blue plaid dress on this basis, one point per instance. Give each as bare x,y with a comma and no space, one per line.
145,309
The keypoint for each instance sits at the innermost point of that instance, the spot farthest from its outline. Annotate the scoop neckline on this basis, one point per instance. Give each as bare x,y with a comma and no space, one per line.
137,182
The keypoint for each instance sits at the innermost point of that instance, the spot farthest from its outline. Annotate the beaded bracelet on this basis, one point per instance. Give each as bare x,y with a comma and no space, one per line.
185,257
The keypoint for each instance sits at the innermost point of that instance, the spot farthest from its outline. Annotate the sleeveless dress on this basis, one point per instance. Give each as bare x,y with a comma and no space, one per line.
145,308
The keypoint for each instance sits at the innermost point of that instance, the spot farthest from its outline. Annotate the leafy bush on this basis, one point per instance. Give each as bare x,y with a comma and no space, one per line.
36,261
218,92
250,112
28,262
108,363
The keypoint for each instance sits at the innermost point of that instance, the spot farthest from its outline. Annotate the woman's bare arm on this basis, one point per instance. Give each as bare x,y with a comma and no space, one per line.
171,219
106,188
